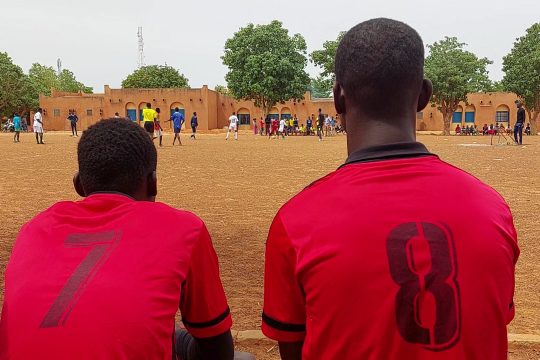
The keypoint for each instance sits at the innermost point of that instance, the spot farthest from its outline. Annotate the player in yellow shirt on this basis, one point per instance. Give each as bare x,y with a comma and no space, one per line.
149,115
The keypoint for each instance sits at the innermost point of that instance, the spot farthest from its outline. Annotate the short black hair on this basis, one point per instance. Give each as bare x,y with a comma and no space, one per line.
115,155
378,62
148,105
158,110
176,109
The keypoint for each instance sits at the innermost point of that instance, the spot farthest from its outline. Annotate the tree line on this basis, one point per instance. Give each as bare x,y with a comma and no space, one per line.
267,66
19,91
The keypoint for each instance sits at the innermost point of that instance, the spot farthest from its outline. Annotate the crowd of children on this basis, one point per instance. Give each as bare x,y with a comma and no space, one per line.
273,127
488,129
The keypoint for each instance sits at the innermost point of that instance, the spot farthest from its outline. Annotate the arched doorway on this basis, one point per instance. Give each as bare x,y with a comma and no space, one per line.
470,114
181,110
457,118
502,115
274,113
244,116
286,113
131,111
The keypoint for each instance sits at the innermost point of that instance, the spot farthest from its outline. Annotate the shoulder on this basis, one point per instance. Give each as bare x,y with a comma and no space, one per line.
310,195
167,212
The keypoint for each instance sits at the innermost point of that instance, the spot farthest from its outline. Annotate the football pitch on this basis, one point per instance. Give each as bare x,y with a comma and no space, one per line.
236,187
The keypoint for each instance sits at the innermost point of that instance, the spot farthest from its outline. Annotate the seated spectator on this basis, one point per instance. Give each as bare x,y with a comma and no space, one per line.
528,129
458,130
90,280
395,274
485,129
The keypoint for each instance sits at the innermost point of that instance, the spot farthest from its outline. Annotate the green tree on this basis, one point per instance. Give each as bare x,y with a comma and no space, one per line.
266,65
319,88
155,77
17,93
324,59
44,78
67,82
222,90
455,73
522,73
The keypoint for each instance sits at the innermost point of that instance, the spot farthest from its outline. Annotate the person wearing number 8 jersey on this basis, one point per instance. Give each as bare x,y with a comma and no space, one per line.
95,279
405,268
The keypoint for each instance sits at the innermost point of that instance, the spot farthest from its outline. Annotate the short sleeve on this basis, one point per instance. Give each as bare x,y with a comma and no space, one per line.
284,315
203,304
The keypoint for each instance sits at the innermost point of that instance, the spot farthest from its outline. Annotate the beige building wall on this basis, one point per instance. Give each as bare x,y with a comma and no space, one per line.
213,109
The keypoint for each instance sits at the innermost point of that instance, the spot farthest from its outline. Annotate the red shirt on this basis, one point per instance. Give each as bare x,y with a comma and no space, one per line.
382,260
104,277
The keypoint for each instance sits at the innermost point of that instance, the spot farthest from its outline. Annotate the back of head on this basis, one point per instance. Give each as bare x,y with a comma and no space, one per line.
115,156
380,65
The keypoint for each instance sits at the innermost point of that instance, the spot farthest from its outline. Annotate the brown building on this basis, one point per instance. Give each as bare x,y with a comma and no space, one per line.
213,109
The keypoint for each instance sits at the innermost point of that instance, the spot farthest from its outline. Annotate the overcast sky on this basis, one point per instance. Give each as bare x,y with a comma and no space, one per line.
97,39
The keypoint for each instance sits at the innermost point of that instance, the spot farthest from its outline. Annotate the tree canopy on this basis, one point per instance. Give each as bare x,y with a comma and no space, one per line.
455,73
17,94
324,59
266,65
45,78
222,90
522,72
319,88
155,77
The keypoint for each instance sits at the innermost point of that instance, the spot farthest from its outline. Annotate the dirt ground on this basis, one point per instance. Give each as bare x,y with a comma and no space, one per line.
236,187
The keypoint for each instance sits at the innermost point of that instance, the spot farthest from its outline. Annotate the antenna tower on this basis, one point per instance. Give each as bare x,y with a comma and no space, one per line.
59,66
141,47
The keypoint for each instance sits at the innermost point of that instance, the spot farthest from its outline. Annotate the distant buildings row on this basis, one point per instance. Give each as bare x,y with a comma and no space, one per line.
213,109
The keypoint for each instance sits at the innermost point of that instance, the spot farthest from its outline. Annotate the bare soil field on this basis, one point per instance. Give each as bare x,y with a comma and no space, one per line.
236,187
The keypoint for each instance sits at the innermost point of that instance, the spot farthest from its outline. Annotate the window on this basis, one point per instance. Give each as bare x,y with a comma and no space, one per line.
56,112
89,112
502,116
469,117
420,115
457,117
244,119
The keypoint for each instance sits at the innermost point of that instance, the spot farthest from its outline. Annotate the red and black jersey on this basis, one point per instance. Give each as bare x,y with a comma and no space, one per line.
399,267
104,277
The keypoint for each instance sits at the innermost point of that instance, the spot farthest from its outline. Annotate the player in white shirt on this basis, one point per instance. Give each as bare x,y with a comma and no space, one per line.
38,126
281,130
233,126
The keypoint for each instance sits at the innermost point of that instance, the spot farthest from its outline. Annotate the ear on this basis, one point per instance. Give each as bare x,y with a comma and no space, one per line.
152,185
339,99
425,94
78,185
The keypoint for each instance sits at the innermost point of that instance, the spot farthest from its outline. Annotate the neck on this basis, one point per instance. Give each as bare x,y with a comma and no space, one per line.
367,132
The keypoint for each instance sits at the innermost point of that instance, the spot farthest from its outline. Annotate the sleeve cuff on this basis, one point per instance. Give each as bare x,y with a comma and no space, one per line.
280,331
211,328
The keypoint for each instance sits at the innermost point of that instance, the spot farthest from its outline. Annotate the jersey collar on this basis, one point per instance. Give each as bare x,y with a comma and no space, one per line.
388,152
121,194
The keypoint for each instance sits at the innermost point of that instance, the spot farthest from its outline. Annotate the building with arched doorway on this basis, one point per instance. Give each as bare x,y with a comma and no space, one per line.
214,109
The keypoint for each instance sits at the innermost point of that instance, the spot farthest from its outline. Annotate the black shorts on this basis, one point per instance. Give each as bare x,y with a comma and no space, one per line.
149,127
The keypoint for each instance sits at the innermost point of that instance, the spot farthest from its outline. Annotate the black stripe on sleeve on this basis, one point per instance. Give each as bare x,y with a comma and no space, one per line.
201,325
278,325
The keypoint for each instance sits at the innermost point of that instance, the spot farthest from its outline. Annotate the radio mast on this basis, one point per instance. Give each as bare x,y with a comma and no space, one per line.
141,48
59,66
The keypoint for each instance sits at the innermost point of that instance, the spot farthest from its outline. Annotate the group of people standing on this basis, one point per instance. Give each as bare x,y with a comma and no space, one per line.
152,125
274,128
19,124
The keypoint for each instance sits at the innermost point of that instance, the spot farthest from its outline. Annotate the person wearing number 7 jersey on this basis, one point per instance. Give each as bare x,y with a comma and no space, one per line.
405,268
95,279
